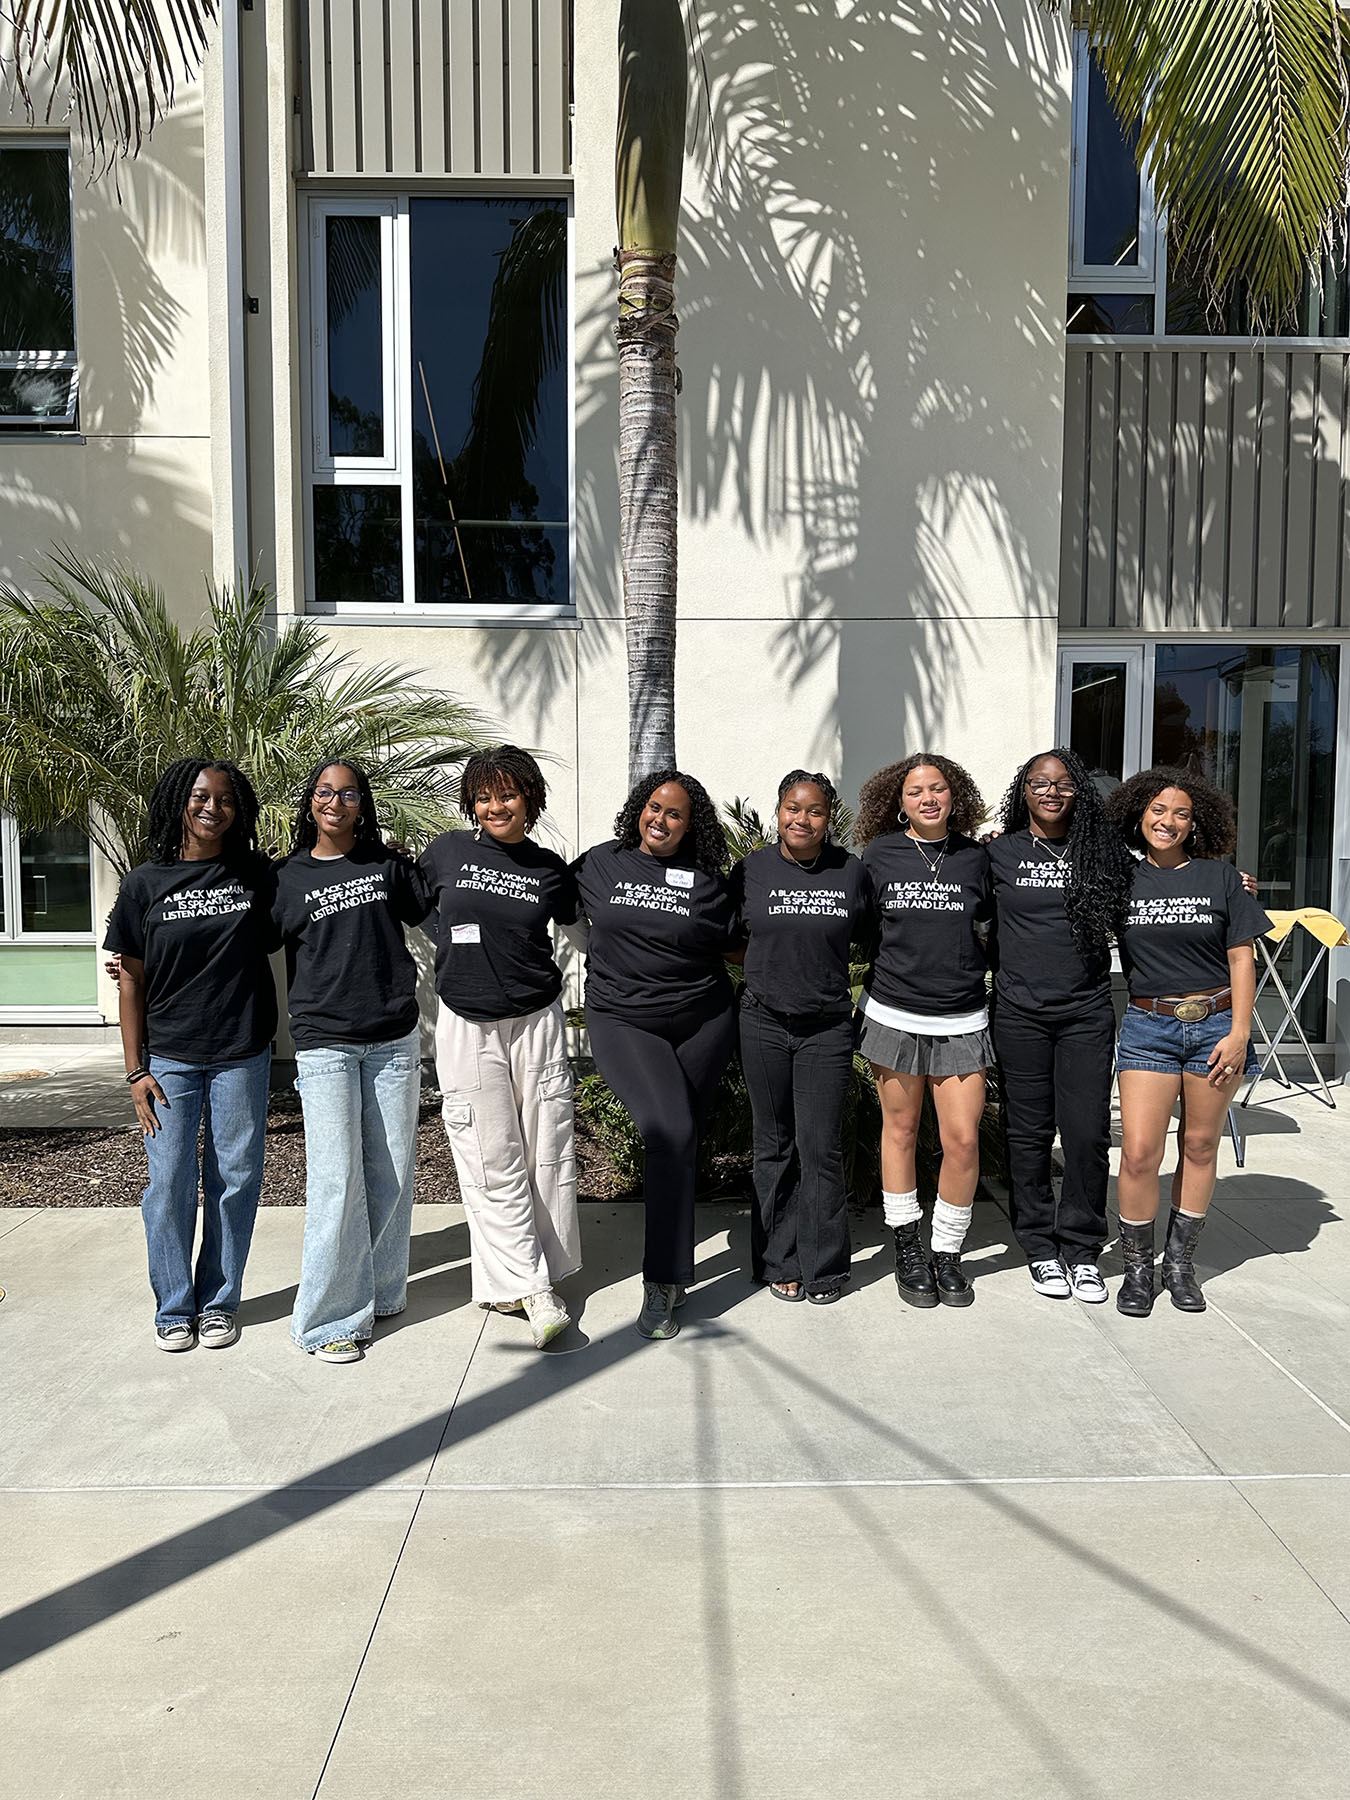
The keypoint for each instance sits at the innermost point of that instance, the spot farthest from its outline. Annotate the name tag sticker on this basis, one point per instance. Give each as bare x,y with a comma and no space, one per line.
680,878
465,934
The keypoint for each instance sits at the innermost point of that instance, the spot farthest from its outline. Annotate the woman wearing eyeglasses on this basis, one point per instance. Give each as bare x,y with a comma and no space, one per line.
1061,880
343,899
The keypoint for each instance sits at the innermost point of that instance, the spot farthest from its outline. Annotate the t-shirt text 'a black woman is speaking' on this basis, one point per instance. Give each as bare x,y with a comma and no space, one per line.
1180,925
659,929
799,920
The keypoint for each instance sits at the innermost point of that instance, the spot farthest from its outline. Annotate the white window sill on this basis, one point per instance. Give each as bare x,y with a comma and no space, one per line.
554,618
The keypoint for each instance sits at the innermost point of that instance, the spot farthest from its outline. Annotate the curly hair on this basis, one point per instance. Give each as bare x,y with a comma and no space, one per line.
503,766
705,833
168,803
305,830
1213,821
1100,867
879,799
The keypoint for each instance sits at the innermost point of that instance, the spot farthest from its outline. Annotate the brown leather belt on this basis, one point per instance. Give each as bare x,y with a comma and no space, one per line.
1189,1008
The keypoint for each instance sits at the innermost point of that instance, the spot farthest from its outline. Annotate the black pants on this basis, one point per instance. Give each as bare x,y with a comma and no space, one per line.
666,1071
1056,1071
797,1073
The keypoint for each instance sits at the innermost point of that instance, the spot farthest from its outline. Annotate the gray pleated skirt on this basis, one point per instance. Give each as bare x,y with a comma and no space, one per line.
909,1054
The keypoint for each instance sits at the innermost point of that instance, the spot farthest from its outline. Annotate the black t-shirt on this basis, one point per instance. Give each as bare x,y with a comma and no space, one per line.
1180,925
351,978
929,959
1037,962
659,929
494,907
203,931
799,924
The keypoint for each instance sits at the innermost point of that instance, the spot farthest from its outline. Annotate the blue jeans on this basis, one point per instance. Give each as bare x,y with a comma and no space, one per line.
230,1100
1165,1046
360,1107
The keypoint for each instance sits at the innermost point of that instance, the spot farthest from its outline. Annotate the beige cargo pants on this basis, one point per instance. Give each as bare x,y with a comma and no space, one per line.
506,1099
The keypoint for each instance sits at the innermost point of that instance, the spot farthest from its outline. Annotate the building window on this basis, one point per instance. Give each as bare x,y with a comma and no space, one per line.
1113,229
38,387
440,405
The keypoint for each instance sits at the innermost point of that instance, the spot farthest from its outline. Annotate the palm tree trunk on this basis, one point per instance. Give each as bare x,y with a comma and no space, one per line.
648,167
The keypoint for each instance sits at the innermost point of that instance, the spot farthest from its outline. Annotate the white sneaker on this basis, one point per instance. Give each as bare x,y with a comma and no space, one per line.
547,1315
1085,1279
1049,1278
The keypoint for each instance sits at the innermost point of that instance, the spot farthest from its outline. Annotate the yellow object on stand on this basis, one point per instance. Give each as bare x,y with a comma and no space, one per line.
1330,933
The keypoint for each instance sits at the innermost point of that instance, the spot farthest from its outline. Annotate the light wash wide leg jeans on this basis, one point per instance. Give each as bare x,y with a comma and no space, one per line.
360,1107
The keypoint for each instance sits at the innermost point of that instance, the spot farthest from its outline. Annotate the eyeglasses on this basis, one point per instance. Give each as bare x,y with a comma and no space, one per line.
1040,787
348,796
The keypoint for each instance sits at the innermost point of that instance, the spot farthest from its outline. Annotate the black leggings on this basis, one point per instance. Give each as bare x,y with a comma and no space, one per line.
797,1072
666,1071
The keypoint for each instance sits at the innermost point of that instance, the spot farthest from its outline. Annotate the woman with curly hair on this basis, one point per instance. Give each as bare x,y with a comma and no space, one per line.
343,900
1061,878
659,1009
800,903
198,1009
501,1050
924,1021
1186,948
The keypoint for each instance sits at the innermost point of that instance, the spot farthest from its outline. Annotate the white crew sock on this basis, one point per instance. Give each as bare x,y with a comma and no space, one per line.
950,1224
901,1209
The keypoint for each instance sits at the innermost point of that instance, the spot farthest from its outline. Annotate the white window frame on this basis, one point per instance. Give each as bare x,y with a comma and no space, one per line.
47,359
12,931
320,468
1122,278
1137,661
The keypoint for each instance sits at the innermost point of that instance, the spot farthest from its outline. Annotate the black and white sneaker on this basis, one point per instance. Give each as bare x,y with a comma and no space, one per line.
216,1330
178,1334
1050,1279
1085,1278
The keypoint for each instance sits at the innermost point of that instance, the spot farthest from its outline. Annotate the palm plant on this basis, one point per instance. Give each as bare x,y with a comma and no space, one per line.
100,690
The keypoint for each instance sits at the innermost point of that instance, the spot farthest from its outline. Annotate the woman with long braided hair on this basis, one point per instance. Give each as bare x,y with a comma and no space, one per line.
198,1010
800,903
1061,881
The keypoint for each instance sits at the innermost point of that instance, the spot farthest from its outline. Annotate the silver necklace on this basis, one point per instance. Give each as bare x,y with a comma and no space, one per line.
1059,856
808,868
932,864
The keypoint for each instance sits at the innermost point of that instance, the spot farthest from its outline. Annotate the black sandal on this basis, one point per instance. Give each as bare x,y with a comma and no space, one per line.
776,1289
826,1296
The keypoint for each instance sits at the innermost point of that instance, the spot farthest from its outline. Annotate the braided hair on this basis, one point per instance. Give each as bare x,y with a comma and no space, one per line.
305,830
705,834
1213,822
168,803
813,778
503,766
879,805
1100,867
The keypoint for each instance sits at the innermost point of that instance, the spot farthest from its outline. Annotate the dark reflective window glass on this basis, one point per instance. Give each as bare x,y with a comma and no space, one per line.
489,399
1111,214
1097,720
1322,309
1260,722
358,544
37,393
355,337
54,880
37,297
1104,314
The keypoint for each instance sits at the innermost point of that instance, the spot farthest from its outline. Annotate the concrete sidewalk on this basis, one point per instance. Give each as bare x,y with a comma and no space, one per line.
1030,1549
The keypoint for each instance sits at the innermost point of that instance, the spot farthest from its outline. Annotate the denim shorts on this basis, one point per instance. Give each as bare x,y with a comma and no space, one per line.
1166,1046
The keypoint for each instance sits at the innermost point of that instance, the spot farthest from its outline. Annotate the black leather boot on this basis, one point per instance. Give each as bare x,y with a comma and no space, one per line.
913,1276
1178,1264
953,1289
1135,1297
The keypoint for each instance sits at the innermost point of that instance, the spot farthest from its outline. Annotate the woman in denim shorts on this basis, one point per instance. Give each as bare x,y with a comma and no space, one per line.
1186,948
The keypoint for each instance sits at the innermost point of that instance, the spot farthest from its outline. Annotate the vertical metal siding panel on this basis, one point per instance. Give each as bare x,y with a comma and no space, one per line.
431,79
1297,602
462,86
371,76
1187,483
1327,451
1130,487
1158,491
520,85
1099,539
552,84
491,80
1343,571
342,60
1270,500
1215,469
314,88
1246,417
1073,509
404,94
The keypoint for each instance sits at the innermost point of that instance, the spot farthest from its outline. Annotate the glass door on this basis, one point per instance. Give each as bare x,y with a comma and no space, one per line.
1101,708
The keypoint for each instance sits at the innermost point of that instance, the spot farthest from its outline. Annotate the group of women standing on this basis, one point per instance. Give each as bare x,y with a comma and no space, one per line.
929,906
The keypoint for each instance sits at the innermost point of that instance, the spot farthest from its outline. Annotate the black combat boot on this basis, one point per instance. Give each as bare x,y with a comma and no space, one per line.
913,1276
1136,1290
1178,1264
952,1287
